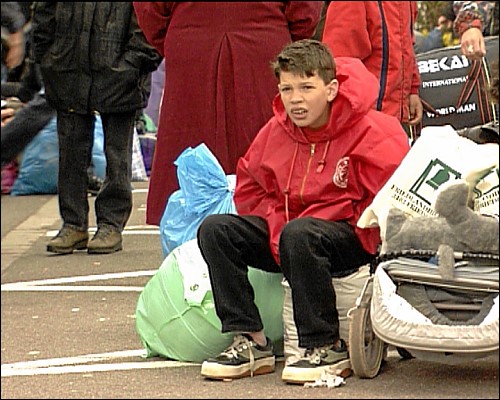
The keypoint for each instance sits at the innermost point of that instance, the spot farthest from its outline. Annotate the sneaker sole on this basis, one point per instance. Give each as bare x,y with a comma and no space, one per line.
104,250
82,245
303,375
213,370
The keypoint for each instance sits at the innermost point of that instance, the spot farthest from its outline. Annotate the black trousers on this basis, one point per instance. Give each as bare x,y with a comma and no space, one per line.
113,204
312,251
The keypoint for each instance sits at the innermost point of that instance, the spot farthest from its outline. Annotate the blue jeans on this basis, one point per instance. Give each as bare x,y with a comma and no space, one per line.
113,204
312,251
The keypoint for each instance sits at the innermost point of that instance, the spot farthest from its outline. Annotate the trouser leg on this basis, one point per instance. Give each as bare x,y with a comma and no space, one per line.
229,244
75,134
113,204
312,251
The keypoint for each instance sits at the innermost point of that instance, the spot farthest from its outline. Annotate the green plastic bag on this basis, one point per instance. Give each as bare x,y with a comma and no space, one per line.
175,313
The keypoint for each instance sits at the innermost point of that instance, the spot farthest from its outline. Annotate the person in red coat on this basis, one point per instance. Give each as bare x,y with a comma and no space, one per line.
300,189
218,82
381,35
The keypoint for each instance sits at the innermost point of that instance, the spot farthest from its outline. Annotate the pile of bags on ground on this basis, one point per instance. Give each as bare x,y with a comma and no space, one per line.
175,313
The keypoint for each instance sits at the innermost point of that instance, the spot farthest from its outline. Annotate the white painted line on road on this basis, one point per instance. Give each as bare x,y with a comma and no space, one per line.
86,358
84,278
145,190
126,231
17,242
33,288
74,364
141,227
39,285
92,368
21,239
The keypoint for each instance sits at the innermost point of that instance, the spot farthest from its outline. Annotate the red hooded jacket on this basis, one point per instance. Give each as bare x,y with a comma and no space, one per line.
332,173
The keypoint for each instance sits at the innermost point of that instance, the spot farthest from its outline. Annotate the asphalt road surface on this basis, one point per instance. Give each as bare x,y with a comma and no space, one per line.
68,328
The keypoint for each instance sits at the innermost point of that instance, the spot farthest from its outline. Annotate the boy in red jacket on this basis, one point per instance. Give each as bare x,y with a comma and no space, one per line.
301,187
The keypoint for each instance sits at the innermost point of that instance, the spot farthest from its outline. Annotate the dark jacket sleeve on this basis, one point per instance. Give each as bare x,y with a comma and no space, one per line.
138,51
42,28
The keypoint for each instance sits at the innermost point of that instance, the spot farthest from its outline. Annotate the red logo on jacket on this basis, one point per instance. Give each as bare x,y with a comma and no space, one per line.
341,171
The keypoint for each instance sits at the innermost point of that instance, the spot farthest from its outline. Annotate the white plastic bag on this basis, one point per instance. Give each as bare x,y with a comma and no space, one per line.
440,155
347,290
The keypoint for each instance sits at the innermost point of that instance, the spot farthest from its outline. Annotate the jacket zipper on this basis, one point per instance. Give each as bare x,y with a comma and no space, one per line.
309,162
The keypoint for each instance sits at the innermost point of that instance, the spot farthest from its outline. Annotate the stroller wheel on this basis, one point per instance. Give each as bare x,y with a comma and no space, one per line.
366,350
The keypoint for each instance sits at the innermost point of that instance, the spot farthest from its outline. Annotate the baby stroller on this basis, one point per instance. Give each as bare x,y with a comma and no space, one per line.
408,303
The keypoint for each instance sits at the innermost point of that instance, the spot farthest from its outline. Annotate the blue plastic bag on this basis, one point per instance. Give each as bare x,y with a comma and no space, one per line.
204,189
98,157
39,168
39,165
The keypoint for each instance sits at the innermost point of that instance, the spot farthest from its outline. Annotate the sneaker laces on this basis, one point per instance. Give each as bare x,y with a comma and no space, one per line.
240,343
314,355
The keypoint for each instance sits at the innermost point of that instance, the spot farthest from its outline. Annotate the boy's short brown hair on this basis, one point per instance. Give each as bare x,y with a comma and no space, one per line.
306,57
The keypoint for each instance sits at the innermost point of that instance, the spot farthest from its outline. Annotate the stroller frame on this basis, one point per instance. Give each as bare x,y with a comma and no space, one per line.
368,343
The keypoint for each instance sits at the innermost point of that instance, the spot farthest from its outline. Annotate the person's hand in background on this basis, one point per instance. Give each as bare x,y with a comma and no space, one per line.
16,48
10,106
472,44
7,115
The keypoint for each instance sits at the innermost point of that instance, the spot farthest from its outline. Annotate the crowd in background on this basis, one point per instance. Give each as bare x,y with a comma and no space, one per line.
434,27
311,104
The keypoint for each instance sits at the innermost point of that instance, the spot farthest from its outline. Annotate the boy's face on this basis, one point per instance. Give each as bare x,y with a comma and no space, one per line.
307,99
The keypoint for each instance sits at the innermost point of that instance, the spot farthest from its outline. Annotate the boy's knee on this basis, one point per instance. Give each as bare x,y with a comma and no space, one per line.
210,226
295,230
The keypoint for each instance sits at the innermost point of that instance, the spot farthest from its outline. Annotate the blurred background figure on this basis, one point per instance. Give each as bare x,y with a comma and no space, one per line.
13,41
218,82
23,90
442,35
21,82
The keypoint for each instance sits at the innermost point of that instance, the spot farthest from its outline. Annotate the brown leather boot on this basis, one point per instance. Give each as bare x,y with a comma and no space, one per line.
105,241
68,240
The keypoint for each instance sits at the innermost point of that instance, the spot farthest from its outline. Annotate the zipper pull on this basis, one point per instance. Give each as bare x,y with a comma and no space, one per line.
321,166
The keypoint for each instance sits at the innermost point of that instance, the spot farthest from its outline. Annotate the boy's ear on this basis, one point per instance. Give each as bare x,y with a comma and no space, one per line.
332,89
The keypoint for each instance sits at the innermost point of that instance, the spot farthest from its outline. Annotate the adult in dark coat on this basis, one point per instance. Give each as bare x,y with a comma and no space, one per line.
219,85
94,59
